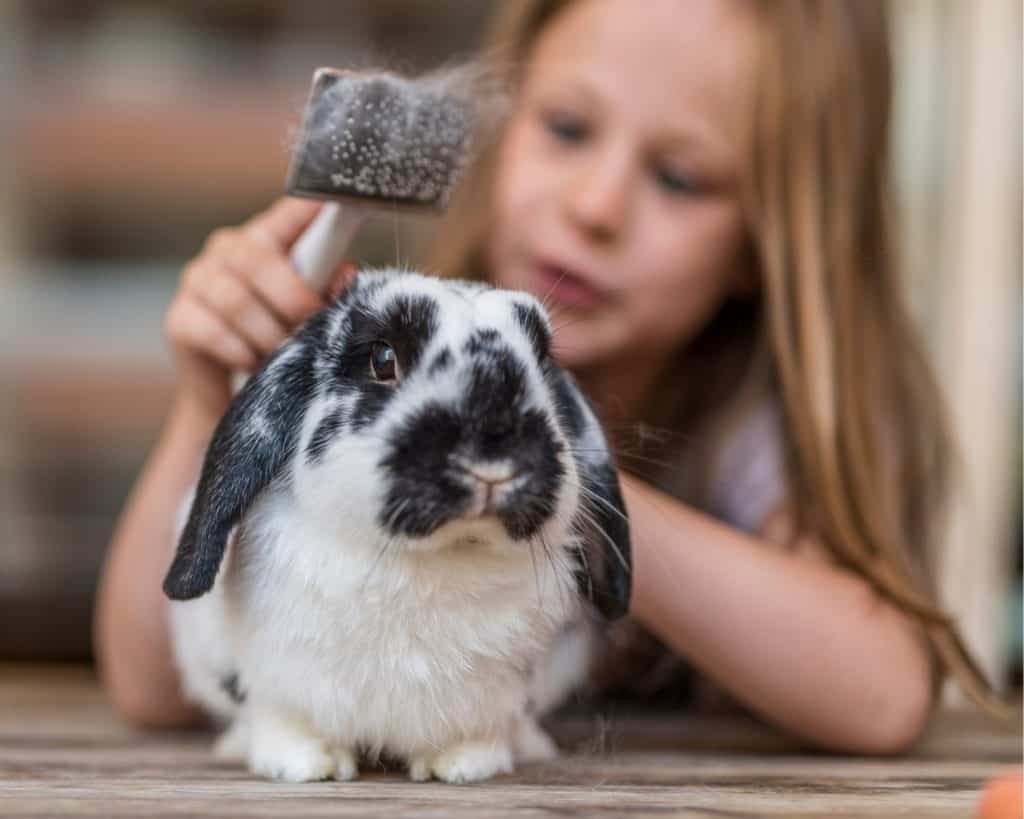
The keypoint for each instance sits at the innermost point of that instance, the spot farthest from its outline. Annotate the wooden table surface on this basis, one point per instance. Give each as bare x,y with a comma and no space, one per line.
63,752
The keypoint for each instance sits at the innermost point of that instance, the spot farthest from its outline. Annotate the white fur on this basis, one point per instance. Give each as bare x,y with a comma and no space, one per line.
451,635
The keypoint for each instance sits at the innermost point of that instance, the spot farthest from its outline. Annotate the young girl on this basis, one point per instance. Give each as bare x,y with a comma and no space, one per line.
698,188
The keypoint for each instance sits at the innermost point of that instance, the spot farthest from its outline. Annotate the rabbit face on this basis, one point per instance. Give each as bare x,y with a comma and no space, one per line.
438,400
424,413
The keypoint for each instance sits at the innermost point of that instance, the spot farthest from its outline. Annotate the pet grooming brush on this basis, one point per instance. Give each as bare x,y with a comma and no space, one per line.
374,141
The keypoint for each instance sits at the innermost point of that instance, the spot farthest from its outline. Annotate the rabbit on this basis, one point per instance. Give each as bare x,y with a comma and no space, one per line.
402,521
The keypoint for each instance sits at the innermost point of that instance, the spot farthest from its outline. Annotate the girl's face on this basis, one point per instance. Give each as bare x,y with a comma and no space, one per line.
616,197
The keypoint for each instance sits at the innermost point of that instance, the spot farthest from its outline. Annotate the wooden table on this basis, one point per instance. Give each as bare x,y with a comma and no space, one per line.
63,752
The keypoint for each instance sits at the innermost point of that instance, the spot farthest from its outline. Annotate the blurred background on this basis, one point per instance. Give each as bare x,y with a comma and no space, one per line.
130,130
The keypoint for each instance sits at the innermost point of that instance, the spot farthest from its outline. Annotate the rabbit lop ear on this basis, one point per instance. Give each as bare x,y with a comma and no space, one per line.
256,436
606,574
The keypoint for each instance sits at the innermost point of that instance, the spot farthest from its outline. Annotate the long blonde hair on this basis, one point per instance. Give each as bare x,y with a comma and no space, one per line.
867,449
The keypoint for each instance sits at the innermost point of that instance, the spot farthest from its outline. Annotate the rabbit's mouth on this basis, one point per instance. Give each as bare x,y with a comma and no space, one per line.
448,465
515,508
491,485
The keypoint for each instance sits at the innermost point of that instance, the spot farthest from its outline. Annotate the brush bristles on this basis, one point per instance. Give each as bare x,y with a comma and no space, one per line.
383,137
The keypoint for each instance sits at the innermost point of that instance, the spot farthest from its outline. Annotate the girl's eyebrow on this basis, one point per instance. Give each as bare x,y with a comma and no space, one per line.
575,85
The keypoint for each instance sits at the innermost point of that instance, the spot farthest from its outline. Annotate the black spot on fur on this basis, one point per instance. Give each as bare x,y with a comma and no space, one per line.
482,340
409,324
425,489
536,454
230,686
325,432
494,394
536,329
442,361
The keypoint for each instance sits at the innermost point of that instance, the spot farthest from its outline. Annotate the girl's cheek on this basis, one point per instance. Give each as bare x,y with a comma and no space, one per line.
534,167
514,176
529,175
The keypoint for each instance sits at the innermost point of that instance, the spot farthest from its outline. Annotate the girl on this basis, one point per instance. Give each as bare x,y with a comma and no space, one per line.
699,191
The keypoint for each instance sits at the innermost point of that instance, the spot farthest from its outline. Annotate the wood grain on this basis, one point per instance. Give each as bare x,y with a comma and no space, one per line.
64,752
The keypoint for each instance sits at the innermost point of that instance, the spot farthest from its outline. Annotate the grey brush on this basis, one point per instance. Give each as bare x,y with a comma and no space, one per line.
374,141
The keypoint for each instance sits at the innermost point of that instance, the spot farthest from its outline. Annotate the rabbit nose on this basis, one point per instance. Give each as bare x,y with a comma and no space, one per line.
493,474
493,482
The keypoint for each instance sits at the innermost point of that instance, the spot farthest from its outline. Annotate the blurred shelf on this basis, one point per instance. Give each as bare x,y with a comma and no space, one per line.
82,352
97,405
85,313
228,143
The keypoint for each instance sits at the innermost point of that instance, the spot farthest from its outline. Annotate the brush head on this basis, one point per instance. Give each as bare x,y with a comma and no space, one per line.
377,136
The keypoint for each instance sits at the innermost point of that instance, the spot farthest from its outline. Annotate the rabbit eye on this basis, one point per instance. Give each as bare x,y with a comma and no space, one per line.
383,362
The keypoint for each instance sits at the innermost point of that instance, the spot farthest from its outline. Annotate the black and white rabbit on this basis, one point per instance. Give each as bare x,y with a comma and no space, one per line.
399,519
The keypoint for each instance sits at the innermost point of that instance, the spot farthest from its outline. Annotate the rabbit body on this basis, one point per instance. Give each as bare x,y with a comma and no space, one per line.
397,573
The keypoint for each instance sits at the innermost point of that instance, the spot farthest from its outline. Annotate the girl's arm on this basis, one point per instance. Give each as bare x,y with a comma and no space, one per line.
804,643
131,631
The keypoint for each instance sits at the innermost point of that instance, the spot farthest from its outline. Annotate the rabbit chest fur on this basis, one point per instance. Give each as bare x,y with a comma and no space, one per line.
404,652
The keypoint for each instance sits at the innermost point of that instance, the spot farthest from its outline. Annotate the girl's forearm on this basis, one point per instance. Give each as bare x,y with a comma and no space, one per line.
130,628
804,643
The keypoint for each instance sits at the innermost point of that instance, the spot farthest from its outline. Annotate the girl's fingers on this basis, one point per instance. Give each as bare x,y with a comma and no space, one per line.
271,276
192,326
284,221
229,297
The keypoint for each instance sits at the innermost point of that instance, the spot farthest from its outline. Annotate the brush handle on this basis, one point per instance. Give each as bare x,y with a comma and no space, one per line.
323,245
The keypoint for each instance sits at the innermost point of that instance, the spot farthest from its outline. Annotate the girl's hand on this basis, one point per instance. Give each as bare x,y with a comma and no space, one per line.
238,300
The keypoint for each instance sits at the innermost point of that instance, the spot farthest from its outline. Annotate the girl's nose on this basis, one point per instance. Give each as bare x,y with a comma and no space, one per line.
597,194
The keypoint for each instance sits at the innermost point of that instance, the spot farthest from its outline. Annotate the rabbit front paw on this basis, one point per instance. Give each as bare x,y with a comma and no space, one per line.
284,748
466,762
295,763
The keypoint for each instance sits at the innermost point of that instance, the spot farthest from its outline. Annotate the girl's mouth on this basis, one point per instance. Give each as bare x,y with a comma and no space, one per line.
555,283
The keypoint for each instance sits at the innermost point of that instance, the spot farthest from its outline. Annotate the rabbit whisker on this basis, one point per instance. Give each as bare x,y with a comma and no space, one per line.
549,553
544,301
536,574
564,324
582,553
624,456
600,529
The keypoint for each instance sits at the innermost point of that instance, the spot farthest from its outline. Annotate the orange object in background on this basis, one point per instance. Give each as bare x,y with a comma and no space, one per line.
1002,797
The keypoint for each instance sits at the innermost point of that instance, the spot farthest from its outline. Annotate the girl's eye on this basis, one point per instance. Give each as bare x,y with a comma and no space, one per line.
674,182
383,362
566,127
